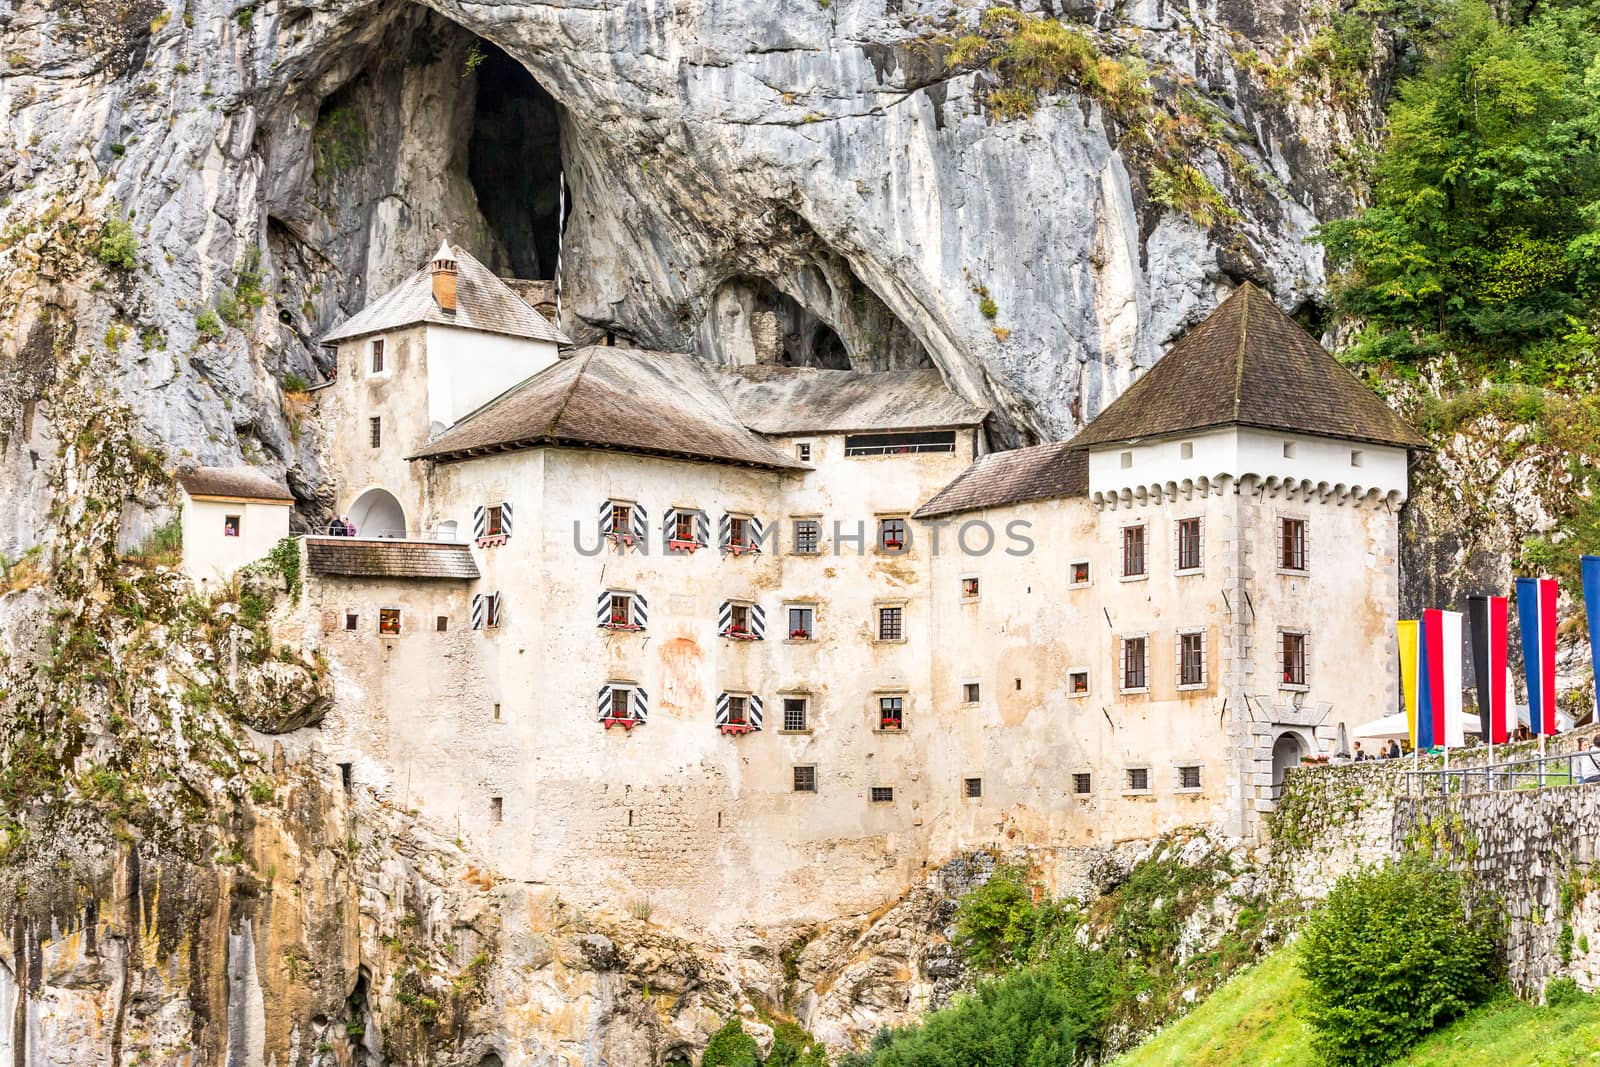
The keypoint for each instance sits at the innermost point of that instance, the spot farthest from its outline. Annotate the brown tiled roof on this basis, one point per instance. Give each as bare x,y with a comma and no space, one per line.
483,302
1249,364
1040,472
631,399
350,557
234,483
792,400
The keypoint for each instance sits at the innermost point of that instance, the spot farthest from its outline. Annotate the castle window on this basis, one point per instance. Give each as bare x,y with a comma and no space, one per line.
1133,552
230,526
1355,457
802,622
969,589
441,624
389,621
1082,783
1078,573
1189,777
621,518
1293,660
352,620
969,692
805,778
740,534
1292,544
899,444
881,794
495,520
795,717
891,624
377,355
623,704
497,809
1288,450
892,535
1189,545
972,788
496,713
807,536
1186,450
891,713
1078,683
802,451
486,611
1135,664
687,529
742,621
1138,780
375,431
1126,459
1191,659
620,609
738,708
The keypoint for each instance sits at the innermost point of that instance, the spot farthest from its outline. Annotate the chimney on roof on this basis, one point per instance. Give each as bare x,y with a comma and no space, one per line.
443,269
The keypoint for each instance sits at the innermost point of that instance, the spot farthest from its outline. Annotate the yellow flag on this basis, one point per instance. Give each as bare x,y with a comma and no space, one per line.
1406,630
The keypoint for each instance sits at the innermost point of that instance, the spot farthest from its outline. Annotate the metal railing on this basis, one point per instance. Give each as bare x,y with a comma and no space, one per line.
434,535
1530,772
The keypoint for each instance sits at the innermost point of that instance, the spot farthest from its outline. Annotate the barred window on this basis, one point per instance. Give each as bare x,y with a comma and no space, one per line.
807,536
1192,659
794,713
1082,782
375,431
805,778
1294,658
1135,663
891,624
1139,779
1188,777
972,788
1292,544
1132,551
377,356
882,794
1189,556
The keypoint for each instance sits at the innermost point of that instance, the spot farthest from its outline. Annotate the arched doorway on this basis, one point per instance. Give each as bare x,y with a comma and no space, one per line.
376,513
1286,753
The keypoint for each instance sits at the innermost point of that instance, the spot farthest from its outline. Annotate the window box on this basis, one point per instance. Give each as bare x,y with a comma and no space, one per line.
739,548
676,545
735,729
622,540
490,540
739,635
621,625
799,635
627,722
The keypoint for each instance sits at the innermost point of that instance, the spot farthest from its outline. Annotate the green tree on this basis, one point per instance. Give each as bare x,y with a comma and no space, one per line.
731,1047
1484,228
1388,957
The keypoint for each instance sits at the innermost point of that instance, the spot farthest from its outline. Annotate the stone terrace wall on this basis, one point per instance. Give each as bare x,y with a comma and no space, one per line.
1530,852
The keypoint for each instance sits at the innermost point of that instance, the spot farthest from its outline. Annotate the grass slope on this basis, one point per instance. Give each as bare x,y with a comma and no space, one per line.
1252,1022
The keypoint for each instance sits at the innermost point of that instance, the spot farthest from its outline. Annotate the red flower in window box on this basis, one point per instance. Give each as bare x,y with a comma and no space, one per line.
893,542
799,635
619,622
735,729
675,544
627,723
887,723
739,635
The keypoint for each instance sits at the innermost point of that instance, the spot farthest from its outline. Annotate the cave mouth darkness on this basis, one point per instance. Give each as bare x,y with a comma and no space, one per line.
514,162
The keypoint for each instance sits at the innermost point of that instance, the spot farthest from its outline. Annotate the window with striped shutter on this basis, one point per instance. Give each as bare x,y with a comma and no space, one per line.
621,609
623,704
686,529
491,524
742,621
485,611
738,713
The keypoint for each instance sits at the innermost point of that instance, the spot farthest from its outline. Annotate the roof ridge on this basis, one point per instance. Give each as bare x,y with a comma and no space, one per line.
1238,358
572,387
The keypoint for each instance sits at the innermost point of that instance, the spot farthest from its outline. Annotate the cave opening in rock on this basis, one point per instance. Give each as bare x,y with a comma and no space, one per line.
514,162
756,323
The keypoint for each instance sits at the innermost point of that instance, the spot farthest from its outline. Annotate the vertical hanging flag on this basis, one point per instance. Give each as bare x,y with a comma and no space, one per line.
1536,620
1406,631
1591,606
1489,616
1426,738
1450,680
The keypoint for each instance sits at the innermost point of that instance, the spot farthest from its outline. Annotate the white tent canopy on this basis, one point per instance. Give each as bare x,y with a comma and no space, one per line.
1395,726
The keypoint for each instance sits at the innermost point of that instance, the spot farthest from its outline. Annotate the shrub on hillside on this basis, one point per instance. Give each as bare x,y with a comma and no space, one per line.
1388,957
996,922
731,1047
1021,1020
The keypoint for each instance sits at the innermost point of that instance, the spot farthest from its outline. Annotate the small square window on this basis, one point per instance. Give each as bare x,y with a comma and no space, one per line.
805,778
621,704
683,528
969,692
388,620
737,707
1127,460
802,452
892,535
969,589
375,431
882,794
1355,457
441,623
1186,450
807,536
741,619
230,526
377,356
1139,779
352,620
1188,777
1082,783
1078,572
1288,450
891,624
1078,683
794,714
497,809
802,623
891,713
972,788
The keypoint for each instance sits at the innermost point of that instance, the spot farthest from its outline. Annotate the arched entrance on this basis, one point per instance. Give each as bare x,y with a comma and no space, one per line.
1286,753
376,513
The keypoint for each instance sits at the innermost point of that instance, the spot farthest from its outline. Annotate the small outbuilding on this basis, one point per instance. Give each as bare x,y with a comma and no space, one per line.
231,516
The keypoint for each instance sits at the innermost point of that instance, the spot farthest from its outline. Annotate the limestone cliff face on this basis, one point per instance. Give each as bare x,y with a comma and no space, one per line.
190,195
